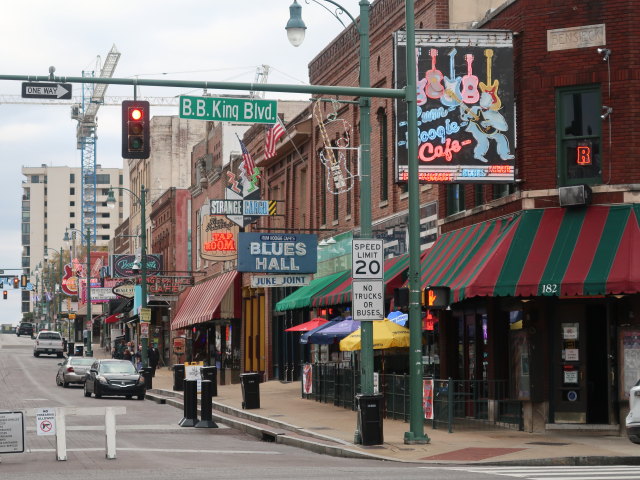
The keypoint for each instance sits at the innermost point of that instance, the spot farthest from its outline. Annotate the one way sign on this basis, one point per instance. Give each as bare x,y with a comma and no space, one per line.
52,91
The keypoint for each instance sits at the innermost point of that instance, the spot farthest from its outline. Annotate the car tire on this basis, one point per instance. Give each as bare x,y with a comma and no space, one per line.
634,439
128,397
86,392
36,354
17,334
60,355
65,384
58,380
97,392
141,397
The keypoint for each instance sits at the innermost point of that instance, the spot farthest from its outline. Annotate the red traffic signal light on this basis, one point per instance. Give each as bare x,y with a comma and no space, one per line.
135,129
16,282
4,294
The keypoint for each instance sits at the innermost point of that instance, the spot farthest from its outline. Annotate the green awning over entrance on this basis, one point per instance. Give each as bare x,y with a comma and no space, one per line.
301,298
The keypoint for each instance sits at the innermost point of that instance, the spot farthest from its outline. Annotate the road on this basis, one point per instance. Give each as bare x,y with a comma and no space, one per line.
151,445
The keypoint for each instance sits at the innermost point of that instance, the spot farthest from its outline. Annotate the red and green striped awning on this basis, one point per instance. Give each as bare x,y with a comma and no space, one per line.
393,267
553,252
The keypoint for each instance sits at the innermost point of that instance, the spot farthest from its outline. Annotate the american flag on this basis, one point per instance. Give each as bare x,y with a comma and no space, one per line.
249,165
272,137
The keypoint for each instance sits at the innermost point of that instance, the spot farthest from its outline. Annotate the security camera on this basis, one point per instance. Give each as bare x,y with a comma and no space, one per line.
135,267
606,111
605,52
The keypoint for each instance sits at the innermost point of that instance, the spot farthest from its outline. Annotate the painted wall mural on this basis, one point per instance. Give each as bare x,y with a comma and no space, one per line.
465,106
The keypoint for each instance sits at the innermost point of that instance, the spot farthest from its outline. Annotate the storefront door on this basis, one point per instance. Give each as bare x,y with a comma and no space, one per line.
580,367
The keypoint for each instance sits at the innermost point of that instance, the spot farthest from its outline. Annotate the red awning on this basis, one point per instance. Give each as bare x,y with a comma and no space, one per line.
540,252
114,318
203,300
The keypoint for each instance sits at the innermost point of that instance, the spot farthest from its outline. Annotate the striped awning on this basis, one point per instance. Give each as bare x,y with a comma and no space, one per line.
551,252
393,267
301,298
203,300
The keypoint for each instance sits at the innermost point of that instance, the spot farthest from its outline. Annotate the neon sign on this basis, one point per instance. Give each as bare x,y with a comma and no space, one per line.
583,155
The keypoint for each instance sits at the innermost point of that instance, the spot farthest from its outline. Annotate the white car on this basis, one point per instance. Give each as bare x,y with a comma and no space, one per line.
633,419
48,342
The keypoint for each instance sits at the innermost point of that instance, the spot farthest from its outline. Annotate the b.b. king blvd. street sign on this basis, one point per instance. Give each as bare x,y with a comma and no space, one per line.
247,110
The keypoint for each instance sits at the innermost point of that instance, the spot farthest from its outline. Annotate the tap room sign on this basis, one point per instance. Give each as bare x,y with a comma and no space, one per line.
218,239
465,107
277,253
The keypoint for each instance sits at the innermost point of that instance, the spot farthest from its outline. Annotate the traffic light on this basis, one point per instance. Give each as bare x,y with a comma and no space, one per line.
4,294
135,129
23,281
16,282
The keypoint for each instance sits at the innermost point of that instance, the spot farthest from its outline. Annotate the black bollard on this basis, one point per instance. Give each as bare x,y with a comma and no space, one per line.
205,406
190,400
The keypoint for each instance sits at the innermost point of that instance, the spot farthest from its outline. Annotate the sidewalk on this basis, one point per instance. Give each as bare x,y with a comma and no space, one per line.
287,418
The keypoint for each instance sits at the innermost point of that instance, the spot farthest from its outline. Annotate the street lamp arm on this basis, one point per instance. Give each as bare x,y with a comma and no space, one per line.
126,189
337,12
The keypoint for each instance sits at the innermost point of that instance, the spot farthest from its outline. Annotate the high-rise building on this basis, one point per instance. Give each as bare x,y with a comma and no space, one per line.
52,203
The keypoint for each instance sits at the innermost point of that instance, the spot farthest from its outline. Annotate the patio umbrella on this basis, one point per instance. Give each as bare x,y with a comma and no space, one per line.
386,334
307,326
304,339
339,329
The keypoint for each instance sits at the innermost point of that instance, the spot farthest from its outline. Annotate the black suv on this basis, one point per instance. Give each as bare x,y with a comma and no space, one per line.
25,328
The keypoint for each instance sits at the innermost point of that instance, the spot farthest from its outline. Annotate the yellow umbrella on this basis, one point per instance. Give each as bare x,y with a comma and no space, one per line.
386,334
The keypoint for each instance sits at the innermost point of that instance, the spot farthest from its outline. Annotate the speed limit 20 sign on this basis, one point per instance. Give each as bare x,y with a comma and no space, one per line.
367,259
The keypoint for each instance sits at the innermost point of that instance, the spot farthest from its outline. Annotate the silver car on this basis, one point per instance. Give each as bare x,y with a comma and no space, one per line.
73,370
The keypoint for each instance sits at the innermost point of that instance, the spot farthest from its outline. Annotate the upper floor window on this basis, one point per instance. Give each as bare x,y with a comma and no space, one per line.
579,129
72,178
454,198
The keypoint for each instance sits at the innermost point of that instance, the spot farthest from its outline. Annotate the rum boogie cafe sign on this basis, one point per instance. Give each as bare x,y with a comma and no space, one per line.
277,253
121,265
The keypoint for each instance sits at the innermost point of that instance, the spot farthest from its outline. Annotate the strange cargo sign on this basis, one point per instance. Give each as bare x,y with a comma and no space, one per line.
277,253
465,107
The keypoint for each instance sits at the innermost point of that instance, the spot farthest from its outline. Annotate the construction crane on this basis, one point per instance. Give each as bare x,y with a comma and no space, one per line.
262,75
85,113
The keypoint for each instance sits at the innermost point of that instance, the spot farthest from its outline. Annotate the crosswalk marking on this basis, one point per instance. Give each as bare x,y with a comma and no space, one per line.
595,472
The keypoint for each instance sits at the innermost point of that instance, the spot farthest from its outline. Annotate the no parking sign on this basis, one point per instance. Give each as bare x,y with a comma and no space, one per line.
46,421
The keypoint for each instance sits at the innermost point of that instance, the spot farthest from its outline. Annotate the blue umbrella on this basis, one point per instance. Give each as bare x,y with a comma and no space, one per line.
304,338
337,330
398,317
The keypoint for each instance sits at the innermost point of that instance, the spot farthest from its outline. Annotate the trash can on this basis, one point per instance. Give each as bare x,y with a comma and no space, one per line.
147,374
211,374
250,390
178,377
79,350
370,418
71,345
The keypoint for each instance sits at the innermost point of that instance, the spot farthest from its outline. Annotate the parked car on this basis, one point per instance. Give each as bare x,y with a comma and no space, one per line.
73,370
49,343
25,328
633,419
114,377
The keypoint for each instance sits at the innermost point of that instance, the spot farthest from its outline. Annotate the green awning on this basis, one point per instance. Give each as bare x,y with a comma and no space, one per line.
301,298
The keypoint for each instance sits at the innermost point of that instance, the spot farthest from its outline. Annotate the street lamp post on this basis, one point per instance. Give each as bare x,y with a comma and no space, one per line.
87,239
111,202
296,31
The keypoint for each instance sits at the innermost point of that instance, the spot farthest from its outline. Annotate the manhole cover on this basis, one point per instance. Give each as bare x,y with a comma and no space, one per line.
546,443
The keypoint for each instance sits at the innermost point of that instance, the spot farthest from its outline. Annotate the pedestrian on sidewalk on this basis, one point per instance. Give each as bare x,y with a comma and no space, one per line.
154,357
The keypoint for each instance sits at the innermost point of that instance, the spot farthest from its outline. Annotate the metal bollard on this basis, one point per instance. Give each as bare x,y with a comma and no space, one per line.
205,406
190,404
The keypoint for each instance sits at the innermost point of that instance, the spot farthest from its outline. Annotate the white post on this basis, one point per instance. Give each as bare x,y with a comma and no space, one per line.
61,435
110,432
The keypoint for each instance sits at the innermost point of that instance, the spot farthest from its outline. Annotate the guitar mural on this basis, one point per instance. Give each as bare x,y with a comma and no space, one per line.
435,89
421,84
491,88
470,93
452,84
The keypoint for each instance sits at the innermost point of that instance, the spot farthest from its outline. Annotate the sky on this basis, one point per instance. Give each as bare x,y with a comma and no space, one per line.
215,40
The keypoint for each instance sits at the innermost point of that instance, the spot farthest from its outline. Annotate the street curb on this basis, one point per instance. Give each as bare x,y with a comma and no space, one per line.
274,434
265,434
